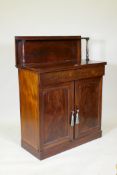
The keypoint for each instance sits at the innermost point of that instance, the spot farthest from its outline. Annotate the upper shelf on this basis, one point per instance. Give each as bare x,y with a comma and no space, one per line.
47,50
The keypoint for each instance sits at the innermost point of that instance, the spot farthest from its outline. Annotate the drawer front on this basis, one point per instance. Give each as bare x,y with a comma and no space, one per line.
70,75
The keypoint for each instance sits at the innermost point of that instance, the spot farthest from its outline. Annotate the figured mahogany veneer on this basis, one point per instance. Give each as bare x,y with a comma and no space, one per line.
60,94
43,50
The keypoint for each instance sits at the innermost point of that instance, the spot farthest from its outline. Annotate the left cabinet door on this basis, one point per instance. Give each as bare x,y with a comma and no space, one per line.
56,104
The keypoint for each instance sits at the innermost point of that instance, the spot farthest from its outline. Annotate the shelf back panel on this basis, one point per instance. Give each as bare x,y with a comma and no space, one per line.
47,50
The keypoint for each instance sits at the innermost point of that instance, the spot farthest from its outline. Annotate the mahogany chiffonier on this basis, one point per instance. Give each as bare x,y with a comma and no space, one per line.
60,94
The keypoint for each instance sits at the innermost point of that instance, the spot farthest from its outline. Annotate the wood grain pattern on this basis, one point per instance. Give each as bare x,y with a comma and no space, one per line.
47,50
46,68
45,122
61,147
70,75
57,102
53,84
87,101
29,107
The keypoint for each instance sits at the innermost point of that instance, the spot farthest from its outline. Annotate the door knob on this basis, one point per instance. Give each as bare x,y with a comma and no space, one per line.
72,119
77,117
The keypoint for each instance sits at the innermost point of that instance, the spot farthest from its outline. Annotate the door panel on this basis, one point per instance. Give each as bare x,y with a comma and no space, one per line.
57,102
88,102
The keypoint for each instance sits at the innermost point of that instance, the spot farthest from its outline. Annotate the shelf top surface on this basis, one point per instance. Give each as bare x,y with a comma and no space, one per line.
62,66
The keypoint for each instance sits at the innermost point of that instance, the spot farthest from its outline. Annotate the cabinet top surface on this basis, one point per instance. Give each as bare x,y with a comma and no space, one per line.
63,66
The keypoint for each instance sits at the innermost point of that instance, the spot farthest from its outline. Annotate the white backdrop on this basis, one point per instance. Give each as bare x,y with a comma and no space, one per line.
94,18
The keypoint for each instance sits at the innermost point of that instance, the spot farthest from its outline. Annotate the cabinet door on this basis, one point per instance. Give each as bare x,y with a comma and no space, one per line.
57,102
88,102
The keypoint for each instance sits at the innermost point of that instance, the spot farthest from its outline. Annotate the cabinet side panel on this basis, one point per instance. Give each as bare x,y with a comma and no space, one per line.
29,107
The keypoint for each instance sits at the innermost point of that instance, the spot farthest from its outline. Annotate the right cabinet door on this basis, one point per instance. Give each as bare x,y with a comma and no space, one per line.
88,94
